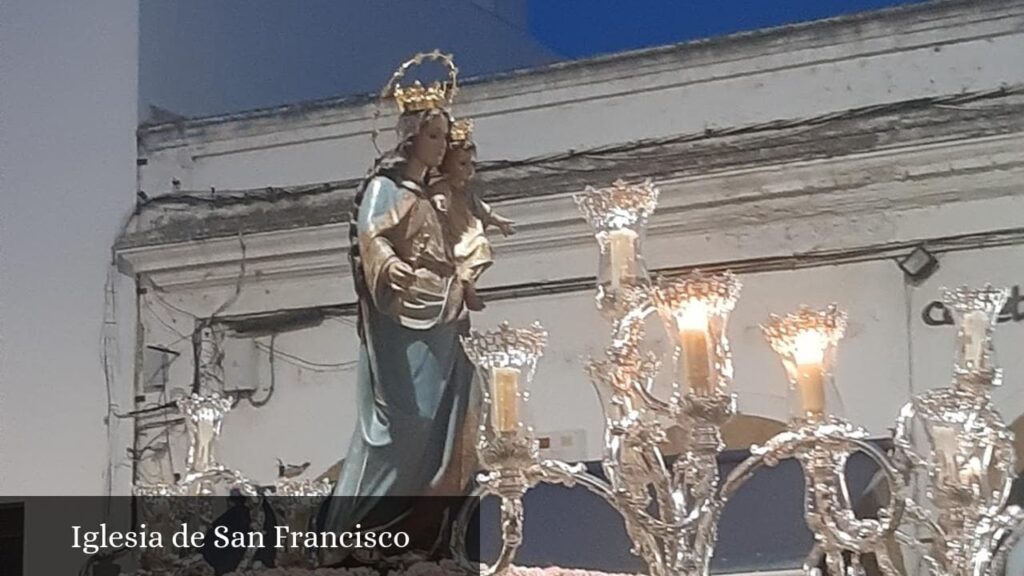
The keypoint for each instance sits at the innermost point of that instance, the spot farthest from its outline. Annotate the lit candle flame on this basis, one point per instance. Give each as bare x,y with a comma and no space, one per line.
809,354
809,347
693,316
802,340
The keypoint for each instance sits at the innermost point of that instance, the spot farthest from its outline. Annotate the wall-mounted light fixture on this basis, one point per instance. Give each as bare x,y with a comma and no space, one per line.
919,265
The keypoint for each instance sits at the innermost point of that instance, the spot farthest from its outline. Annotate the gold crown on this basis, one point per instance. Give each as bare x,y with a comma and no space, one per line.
461,131
416,98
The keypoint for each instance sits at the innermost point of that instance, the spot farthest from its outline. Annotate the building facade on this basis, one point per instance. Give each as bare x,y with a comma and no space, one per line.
809,159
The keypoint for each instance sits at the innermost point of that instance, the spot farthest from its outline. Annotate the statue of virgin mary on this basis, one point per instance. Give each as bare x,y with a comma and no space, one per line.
414,379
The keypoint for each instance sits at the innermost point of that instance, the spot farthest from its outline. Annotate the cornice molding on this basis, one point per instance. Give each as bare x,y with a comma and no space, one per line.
848,37
891,130
878,182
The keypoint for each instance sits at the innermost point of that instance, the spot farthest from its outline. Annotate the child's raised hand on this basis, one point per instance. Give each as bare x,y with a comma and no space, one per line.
506,225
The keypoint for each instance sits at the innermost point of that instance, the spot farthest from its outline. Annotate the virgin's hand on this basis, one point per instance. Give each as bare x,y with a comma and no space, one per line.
440,202
400,276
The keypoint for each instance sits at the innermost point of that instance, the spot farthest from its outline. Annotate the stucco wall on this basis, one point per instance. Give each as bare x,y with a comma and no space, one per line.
68,181
68,177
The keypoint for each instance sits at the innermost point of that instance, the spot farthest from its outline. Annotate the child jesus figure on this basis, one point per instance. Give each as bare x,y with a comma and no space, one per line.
467,215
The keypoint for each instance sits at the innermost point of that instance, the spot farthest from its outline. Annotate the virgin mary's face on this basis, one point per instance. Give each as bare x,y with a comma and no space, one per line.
429,145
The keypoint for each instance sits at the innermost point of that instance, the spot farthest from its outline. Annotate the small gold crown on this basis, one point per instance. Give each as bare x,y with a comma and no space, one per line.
461,131
416,98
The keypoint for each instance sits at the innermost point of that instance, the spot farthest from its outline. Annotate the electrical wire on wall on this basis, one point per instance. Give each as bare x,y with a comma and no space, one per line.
343,313
149,292
273,377
797,261
239,281
157,292
273,354
165,323
110,358
555,162
344,320
305,364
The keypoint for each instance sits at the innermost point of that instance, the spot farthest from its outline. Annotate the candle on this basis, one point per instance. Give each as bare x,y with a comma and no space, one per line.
504,399
975,326
622,247
945,440
809,355
693,337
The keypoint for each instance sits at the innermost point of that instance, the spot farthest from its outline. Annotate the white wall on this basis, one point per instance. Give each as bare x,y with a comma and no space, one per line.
875,373
999,266
888,354
68,154
68,181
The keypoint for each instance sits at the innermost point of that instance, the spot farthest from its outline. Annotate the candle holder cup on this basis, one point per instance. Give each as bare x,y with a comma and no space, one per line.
695,310
806,343
671,509
969,461
506,359
618,216
975,312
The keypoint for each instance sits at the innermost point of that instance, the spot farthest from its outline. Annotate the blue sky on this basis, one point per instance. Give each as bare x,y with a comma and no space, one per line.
199,58
581,28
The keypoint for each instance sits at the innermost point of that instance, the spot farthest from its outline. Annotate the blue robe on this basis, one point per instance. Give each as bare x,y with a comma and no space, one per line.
414,379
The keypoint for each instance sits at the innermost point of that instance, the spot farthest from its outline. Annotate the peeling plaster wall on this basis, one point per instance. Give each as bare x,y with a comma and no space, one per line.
796,71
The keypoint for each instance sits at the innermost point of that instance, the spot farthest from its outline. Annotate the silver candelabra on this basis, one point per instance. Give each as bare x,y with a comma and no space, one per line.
950,442
163,506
